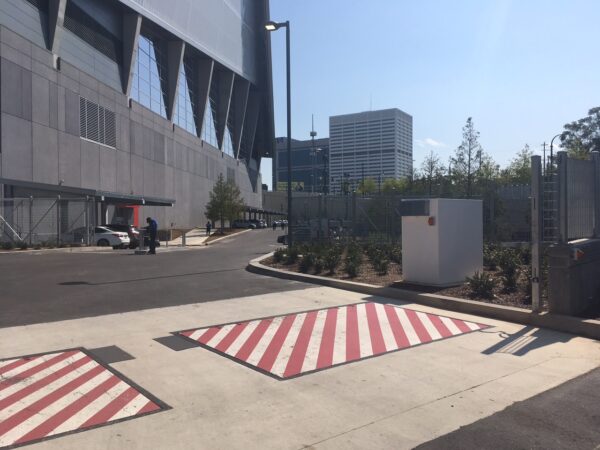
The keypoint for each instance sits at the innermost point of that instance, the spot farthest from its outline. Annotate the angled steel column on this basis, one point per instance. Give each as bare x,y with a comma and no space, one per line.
132,24
56,19
204,74
251,124
225,91
241,90
175,51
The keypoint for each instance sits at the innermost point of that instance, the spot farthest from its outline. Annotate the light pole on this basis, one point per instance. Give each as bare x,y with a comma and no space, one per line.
273,26
552,148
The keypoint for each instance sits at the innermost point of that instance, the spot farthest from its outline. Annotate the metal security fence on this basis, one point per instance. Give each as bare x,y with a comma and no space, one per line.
46,221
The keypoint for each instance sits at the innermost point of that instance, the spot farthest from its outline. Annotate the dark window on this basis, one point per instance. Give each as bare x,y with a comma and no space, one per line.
86,28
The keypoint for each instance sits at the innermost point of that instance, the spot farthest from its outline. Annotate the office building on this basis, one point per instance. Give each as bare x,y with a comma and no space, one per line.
309,165
373,144
137,106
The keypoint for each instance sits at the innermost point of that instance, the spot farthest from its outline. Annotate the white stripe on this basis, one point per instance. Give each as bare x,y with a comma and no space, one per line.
90,410
41,393
288,345
413,339
41,374
29,365
131,408
386,328
242,338
429,326
471,325
56,407
8,361
196,334
264,341
314,345
450,325
364,335
339,345
214,341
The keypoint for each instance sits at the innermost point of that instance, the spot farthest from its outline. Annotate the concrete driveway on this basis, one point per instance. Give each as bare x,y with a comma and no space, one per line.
187,396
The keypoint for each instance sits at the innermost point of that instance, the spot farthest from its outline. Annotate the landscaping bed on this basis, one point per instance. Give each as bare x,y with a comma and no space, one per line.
504,281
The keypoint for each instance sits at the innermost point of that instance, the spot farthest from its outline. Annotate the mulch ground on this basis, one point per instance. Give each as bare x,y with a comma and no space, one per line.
367,274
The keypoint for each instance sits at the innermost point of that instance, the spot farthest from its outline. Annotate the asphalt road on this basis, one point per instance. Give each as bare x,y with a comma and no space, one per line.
47,287
566,417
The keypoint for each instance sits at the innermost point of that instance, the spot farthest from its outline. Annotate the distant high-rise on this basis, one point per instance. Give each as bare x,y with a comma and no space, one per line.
372,144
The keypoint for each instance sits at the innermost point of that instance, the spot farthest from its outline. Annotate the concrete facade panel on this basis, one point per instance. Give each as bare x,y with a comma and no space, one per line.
17,151
53,105
90,165
41,93
12,87
26,100
108,169
45,154
123,172
69,156
72,113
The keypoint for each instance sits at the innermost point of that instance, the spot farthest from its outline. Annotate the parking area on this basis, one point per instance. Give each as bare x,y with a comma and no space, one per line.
189,350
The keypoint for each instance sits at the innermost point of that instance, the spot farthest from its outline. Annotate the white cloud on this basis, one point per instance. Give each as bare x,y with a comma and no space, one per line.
430,142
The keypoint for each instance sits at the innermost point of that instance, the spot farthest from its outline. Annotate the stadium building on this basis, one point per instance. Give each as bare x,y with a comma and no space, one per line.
135,105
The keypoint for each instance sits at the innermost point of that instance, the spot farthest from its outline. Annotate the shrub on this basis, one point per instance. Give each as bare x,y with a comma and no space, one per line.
278,255
292,255
23,245
332,260
351,267
396,254
7,245
319,264
508,260
381,265
490,254
307,261
481,285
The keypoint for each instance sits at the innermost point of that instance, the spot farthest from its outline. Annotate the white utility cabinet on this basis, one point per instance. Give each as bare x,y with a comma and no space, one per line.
444,246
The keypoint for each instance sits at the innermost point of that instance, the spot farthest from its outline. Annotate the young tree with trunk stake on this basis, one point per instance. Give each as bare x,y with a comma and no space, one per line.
225,202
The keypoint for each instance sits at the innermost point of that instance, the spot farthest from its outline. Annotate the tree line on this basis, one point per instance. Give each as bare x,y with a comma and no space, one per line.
471,171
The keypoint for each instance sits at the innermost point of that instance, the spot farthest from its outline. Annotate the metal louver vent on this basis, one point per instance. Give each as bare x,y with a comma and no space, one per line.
97,123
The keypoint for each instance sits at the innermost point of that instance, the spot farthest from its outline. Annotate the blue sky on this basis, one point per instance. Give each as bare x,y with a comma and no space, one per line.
520,68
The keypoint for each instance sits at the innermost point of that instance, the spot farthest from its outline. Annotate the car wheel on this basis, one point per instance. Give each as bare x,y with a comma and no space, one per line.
102,243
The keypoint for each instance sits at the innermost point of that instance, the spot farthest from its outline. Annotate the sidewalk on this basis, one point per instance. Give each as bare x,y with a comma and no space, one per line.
193,238
397,400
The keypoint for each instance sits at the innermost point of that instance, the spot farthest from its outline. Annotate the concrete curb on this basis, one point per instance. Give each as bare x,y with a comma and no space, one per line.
61,250
568,324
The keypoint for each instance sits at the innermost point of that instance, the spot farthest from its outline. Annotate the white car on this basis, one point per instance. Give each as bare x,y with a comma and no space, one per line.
100,236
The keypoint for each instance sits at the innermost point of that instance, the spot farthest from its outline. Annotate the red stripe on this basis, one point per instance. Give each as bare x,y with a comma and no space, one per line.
17,363
149,407
253,340
396,326
461,325
15,397
352,338
32,371
231,336
59,418
294,365
377,342
325,358
21,416
208,335
112,408
439,325
270,355
418,326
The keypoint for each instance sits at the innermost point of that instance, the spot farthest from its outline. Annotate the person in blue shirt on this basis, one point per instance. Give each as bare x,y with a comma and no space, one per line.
152,228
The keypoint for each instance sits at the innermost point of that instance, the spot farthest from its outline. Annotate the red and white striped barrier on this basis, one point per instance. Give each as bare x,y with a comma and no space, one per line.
48,395
297,344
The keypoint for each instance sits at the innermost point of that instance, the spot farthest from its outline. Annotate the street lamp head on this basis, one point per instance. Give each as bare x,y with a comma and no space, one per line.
273,26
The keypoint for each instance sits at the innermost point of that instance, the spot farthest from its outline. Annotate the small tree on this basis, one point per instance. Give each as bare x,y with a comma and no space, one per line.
366,186
432,170
467,158
583,136
519,169
225,202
